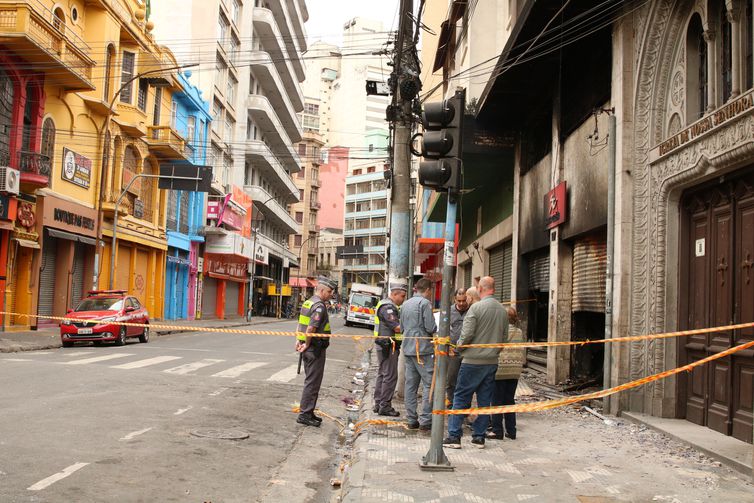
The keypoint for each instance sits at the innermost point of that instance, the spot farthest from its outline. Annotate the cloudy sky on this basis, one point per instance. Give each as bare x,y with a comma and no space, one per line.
326,17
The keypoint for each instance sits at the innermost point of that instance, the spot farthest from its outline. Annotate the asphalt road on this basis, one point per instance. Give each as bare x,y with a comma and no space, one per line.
115,423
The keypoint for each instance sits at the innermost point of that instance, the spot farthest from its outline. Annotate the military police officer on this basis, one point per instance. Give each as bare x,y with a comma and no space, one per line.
387,333
314,320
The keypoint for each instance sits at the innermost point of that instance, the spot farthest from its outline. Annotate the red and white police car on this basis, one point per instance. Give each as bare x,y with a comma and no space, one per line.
92,320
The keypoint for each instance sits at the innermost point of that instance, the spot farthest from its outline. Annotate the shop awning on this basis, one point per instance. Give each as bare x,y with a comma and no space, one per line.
263,278
302,283
27,243
55,233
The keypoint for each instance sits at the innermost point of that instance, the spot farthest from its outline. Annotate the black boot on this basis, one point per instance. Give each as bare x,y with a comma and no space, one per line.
307,419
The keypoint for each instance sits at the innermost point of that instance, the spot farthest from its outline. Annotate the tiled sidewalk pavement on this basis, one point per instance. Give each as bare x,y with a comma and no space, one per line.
562,455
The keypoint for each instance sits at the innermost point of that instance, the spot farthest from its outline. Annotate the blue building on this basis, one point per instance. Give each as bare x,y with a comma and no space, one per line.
183,283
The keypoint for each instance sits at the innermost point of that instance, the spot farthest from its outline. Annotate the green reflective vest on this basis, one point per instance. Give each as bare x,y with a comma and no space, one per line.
304,318
382,329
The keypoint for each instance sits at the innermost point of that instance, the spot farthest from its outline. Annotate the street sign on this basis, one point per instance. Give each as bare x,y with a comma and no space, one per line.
377,88
185,177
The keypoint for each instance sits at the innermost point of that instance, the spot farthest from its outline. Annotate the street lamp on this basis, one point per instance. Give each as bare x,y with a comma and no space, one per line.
105,131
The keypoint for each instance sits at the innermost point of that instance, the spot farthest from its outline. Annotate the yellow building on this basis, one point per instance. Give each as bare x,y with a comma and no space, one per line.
76,153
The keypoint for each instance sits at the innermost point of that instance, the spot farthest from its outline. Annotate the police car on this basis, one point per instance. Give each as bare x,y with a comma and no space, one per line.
94,317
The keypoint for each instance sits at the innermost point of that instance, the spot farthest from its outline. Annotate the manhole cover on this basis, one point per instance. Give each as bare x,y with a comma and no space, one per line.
220,434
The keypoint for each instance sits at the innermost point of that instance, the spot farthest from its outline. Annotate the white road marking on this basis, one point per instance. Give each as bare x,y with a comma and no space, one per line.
17,360
42,352
191,367
76,353
134,434
179,349
181,411
146,363
95,359
286,375
218,392
257,353
58,476
240,369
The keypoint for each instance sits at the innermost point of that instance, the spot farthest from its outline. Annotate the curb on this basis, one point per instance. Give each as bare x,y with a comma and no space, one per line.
19,348
160,333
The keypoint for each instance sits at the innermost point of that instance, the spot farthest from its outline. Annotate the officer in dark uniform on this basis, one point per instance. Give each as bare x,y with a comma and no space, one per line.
314,320
388,337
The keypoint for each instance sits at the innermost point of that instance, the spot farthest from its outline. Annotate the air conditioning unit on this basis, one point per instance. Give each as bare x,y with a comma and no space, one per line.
10,180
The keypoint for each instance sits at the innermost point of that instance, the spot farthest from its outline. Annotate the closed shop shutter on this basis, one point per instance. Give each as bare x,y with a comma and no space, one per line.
501,260
209,297
589,272
539,273
231,298
47,277
77,279
467,275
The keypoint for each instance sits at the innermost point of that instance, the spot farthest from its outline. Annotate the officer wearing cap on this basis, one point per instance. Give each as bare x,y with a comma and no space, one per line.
387,333
314,320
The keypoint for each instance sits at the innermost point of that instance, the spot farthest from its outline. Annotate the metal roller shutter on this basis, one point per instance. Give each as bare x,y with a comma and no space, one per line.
467,275
209,297
539,273
231,298
501,261
77,279
589,272
47,277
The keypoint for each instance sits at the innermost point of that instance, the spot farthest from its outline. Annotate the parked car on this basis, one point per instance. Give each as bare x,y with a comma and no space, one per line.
97,313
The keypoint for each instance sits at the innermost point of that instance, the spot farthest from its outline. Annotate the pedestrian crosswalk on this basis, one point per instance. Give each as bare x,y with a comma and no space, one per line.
265,367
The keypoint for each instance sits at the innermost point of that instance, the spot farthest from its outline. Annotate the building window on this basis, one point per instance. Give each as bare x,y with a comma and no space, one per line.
300,217
174,115
235,11
696,78
302,173
357,172
217,117
222,30
252,84
191,129
126,74
221,69
748,47
370,169
141,99
157,106
58,20
300,194
726,53
297,239
230,126
48,138
235,46
230,92
108,71
302,149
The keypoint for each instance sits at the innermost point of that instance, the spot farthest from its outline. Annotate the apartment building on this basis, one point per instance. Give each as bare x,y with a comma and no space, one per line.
255,95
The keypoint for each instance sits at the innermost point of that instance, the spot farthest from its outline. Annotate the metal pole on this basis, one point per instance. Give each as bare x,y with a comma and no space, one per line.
608,361
250,293
435,459
280,296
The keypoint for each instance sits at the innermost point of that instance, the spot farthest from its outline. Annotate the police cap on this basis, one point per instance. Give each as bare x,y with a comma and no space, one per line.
328,282
398,285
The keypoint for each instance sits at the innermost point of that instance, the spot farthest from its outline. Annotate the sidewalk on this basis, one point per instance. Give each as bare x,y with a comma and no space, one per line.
49,338
563,455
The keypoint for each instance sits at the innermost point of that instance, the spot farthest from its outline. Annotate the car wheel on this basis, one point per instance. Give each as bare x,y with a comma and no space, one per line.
144,337
347,323
121,341
67,344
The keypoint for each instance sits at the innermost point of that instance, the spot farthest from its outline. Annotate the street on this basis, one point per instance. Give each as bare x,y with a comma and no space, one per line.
115,423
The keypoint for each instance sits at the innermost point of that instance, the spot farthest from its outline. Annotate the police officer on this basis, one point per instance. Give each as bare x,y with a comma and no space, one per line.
314,320
387,333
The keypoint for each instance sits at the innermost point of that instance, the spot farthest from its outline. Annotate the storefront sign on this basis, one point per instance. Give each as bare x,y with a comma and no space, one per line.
244,200
68,216
556,206
262,255
224,265
200,265
225,213
702,126
229,244
77,169
26,217
8,206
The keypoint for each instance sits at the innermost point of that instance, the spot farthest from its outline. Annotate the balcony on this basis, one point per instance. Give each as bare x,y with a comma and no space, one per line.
260,155
267,30
315,182
272,208
298,18
315,205
35,170
286,105
285,20
166,142
261,110
27,26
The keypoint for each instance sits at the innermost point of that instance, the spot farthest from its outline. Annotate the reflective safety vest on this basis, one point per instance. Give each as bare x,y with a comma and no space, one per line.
305,318
382,329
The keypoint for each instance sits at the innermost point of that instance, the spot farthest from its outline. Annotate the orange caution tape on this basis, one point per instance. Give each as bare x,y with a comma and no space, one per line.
561,402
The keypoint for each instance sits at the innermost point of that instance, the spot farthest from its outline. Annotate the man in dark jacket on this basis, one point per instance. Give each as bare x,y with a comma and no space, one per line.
388,338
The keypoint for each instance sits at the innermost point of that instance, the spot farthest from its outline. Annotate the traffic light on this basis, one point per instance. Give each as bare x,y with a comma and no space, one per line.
442,143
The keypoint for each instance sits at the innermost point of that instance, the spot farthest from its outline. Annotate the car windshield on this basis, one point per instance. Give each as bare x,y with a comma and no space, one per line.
101,304
363,300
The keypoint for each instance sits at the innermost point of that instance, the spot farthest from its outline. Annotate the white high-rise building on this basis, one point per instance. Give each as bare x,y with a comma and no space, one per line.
250,70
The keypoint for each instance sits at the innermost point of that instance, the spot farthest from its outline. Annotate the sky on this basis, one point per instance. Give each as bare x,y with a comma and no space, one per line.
327,17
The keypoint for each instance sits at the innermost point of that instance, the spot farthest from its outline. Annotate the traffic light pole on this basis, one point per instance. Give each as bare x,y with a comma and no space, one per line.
435,459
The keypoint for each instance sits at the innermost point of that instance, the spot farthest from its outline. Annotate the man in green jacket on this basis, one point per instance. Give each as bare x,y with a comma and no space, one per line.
486,322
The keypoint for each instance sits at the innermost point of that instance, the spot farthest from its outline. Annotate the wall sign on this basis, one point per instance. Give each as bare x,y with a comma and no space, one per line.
8,207
700,251
262,255
556,205
77,169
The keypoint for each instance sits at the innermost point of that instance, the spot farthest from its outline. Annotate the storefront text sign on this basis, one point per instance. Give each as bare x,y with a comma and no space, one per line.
706,124
77,169
262,254
224,265
556,206
228,216
68,216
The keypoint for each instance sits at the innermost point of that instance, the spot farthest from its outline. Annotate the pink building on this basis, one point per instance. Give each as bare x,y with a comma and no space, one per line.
332,193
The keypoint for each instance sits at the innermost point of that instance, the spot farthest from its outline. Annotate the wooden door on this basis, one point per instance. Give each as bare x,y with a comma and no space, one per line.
717,288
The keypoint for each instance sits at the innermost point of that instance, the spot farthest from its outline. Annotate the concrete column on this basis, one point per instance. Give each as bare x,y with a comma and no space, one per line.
559,311
736,67
712,58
